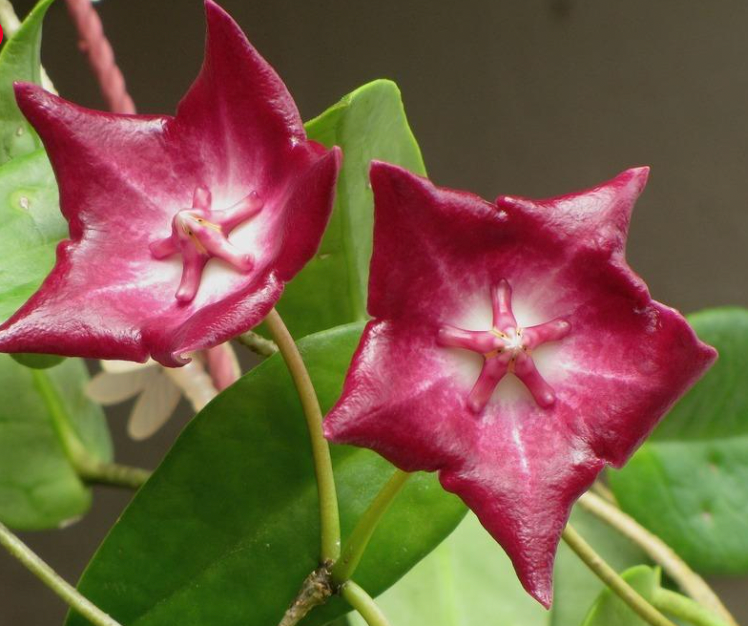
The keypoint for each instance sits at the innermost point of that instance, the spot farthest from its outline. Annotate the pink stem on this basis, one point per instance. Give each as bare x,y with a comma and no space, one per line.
94,43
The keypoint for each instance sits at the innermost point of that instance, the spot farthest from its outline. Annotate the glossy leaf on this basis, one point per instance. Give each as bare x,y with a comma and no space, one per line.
227,528
610,610
38,486
687,483
469,580
31,225
20,61
367,124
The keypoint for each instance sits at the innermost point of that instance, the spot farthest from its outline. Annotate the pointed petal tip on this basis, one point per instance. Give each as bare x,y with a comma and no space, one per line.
221,23
28,92
382,173
543,594
212,8
628,185
336,154
638,176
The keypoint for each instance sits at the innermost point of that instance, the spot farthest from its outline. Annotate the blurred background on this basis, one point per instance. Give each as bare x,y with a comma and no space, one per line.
531,98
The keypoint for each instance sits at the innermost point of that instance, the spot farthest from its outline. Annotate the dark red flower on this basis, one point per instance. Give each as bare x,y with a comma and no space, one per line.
512,350
183,230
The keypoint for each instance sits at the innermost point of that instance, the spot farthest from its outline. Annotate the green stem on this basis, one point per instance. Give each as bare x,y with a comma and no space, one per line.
611,578
684,608
328,499
257,344
364,604
53,580
113,474
662,554
354,548
87,467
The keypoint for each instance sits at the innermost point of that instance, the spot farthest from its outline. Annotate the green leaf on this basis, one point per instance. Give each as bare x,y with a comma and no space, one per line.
610,610
227,528
38,486
20,61
469,580
367,124
687,483
37,361
31,225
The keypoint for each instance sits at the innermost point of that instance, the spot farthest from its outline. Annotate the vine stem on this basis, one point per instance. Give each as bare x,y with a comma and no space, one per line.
53,580
354,548
611,578
10,23
364,604
94,43
328,499
86,466
113,474
688,580
684,608
257,344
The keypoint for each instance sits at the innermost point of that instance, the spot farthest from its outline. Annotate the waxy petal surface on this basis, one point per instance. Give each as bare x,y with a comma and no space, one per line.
123,179
615,359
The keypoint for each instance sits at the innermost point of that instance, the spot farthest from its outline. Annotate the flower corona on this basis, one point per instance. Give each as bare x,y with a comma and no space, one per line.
506,348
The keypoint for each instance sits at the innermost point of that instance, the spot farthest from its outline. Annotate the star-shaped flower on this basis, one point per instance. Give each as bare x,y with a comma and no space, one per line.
512,350
183,230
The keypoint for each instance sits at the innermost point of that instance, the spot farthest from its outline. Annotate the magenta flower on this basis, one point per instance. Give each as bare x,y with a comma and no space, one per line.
183,230
512,350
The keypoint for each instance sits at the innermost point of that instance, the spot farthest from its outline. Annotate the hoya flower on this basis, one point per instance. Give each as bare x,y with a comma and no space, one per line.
158,389
512,350
183,230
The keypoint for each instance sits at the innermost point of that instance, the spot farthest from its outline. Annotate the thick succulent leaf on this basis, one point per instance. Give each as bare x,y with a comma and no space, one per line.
30,228
367,124
20,61
38,486
227,528
687,483
469,580
610,610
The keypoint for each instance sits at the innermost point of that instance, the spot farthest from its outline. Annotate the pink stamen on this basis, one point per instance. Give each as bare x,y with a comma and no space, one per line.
506,348
199,234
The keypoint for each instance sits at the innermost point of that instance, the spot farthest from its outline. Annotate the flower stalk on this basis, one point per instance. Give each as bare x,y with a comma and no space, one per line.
662,554
364,604
354,548
328,499
611,578
257,344
53,580
86,466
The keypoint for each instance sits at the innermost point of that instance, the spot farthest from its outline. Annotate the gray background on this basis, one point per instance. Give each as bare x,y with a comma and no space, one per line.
531,97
